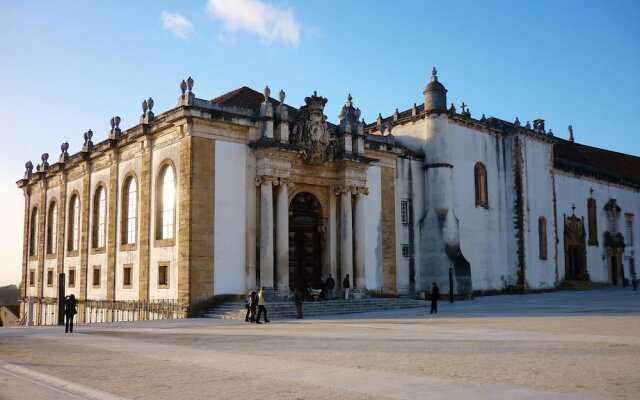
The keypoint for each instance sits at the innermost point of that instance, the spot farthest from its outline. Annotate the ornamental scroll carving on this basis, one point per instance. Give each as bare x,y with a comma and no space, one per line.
311,132
354,190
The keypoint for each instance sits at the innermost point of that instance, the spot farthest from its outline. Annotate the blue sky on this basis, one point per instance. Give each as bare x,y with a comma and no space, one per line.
69,66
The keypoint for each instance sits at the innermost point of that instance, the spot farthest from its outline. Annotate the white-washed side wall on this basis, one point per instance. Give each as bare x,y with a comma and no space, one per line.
373,229
483,231
508,147
128,257
98,259
50,262
404,230
230,218
73,262
538,202
417,199
168,254
575,190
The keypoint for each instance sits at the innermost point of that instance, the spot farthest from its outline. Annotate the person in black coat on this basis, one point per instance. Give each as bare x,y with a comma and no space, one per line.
70,310
298,297
330,285
346,285
435,295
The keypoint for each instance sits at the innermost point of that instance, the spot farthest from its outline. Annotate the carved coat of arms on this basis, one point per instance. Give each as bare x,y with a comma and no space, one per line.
311,132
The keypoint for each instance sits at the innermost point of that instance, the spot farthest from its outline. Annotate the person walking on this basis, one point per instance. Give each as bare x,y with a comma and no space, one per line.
70,310
253,305
346,285
262,306
298,297
247,305
330,285
435,295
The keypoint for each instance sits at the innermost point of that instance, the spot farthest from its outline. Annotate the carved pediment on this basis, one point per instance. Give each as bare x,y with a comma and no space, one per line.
311,132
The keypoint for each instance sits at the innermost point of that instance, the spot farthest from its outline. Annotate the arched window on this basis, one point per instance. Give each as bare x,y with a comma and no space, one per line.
480,174
165,206
52,228
129,211
99,217
33,233
73,235
542,237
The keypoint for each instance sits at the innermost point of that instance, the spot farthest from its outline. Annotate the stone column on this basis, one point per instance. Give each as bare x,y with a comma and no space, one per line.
346,234
332,248
266,230
282,232
358,243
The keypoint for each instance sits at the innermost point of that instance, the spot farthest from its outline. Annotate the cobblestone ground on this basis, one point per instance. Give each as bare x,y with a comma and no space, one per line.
563,345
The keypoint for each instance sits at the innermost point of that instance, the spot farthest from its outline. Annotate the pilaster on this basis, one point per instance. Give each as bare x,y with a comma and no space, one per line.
42,222
84,232
282,230
358,243
145,222
346,232
62,212
388,230
112,216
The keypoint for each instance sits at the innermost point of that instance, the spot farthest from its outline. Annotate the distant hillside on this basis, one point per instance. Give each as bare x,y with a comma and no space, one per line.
9,295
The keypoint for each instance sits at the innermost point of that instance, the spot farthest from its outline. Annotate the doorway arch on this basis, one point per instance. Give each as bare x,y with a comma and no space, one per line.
305,241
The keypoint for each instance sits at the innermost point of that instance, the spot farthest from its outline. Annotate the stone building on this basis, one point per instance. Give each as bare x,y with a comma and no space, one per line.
221,196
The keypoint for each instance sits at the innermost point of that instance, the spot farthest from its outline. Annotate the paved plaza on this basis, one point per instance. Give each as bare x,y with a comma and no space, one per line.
561,345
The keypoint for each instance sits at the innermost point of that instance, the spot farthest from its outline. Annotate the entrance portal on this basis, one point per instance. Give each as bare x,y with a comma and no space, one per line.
575,261
305,264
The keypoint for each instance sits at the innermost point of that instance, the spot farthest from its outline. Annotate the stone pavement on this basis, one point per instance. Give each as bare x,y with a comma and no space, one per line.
561,345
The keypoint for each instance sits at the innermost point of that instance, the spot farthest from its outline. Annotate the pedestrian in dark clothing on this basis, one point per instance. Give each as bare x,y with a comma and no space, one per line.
435,295
253,306
346,285
330,285
298,297
262,306
247,305
70,310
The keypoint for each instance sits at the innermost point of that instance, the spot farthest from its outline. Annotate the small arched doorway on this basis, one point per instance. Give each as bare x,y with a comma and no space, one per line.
305,263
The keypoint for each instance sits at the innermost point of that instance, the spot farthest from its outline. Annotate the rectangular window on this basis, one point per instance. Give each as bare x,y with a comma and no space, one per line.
629,225
50,277
406,253
404,211
163,275
126,275
542,237
72,277
32,278
96,276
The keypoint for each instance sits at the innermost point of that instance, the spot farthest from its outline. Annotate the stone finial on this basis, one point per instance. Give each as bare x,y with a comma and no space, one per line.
516,122
571,133
267,93
183,86
358,113
396,115
88,144
145,107
114,133
150,103
349,101
113,123
550,132
190,84
463,107
528,125
281,96
28,166
45,164
118,119
64,155
434,74
452,109
483,119
389,127
379,121
414,110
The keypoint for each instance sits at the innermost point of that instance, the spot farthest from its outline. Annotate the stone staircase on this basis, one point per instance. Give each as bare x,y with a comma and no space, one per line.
284,310
581,285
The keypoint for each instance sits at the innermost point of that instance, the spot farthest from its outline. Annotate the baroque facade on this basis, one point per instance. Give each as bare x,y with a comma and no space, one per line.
221,196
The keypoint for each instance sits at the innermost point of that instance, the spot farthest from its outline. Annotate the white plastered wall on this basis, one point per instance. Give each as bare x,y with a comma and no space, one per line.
230,231
373,229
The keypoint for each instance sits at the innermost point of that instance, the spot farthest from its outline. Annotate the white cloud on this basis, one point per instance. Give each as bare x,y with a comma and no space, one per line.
270,23
177,24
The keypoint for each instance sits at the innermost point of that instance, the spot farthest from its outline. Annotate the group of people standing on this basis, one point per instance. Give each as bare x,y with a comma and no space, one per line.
256,301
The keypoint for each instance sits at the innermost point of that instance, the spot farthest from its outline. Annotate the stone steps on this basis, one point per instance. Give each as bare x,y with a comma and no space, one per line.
581,285
284,310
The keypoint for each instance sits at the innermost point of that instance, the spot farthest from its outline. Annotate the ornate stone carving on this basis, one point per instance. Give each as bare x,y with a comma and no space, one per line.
88,144
311,132
265,179
286,182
